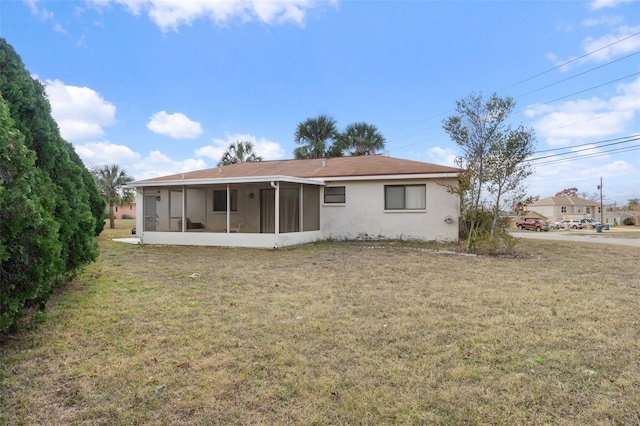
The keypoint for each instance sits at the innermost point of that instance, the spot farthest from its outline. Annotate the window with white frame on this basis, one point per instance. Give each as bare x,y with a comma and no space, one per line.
335,195
563,209
405,197
220,200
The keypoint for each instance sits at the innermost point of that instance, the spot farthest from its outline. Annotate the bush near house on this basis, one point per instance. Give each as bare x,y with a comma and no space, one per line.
50,205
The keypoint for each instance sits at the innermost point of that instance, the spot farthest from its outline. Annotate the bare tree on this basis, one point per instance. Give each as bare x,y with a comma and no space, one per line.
492,153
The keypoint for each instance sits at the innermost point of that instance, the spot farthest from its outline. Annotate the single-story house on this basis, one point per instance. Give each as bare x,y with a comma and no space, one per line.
128,211
273,204
527,215
557,209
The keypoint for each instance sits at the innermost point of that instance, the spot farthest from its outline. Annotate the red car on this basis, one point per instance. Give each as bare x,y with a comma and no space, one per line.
533,224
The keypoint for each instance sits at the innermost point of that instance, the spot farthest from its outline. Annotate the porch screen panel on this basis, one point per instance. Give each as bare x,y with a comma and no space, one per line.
289,210
311,208
415,197
267,211
175,210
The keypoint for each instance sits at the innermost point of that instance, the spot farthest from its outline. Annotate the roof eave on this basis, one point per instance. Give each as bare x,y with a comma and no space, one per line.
443,175
225,181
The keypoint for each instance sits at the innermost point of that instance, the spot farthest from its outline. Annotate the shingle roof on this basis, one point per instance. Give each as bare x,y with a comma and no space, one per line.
367,165
563,201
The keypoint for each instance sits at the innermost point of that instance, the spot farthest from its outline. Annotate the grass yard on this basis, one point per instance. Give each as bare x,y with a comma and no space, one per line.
334,333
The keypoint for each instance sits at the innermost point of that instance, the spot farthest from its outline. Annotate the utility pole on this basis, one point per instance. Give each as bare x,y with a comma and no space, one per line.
601,208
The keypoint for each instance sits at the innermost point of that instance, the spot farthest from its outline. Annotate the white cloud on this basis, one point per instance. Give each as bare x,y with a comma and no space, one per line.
616,44
175,125
99,153
266,149
153,165
444,156
585,175
158,164
169,15
41,13
586,119
601,4
603,20
81,113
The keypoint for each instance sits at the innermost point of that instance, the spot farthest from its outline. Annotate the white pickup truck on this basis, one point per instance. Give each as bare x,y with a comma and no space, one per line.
569,223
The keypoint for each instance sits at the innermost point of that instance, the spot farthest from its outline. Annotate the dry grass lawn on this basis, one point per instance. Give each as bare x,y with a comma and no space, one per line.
334,333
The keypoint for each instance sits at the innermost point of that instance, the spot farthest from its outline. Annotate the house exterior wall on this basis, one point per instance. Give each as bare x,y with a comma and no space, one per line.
127,210
555,213
547,211
363,215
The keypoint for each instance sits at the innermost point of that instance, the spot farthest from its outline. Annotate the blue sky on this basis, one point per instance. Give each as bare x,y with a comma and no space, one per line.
163,86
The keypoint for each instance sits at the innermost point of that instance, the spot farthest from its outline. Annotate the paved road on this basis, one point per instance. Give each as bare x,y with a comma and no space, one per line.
621,237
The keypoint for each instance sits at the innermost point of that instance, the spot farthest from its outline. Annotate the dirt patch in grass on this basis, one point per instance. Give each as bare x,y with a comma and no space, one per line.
334,333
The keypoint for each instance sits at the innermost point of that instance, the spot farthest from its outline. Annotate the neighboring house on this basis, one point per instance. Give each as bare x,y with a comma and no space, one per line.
527,215
331,198
617,217
129,211
557,209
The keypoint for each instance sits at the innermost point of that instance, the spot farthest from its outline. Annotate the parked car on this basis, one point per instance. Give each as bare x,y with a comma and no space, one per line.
533,224
590,222
569,223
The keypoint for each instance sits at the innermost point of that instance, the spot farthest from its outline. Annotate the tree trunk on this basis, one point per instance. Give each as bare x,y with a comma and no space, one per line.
112,218
496,216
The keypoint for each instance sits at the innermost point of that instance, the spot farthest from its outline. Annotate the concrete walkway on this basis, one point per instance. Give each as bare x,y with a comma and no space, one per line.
127,240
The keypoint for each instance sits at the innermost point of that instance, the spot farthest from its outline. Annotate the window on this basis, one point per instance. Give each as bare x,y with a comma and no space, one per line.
588,210
563,209
220,201
405,197
335,195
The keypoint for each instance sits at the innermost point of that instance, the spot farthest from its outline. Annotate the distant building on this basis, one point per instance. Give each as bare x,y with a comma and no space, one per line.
557,209
129,211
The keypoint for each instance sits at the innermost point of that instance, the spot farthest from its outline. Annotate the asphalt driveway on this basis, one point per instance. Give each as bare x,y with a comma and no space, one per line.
617,236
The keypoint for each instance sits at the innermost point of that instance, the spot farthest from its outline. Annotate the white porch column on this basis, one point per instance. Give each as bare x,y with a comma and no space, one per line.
276,225
184,209
140,212
228,210
277,207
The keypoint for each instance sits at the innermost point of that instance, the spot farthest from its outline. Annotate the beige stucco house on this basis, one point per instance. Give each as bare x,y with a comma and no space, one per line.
126,211
557,209
274,204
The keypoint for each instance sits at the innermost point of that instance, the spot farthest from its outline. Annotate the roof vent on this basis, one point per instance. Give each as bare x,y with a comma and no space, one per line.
324,163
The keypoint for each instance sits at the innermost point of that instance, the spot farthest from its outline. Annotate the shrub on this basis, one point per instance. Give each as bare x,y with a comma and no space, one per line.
127,216
629,221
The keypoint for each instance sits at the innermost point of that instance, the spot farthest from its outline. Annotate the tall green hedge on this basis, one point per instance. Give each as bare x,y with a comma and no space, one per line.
49,202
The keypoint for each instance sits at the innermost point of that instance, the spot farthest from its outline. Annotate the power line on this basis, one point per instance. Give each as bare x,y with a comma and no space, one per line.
588,144
538,75
571,61
598,117
576,75
576,93
585,156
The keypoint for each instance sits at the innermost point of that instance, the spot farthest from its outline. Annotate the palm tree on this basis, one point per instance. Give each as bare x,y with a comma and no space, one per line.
313,135
361,139
239,152
109,180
